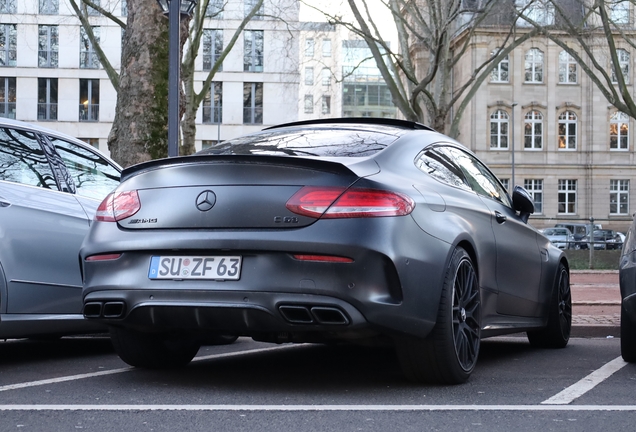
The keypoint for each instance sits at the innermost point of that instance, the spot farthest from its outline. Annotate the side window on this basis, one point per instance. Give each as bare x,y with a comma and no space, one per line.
23,161
480,179
93,176
437,164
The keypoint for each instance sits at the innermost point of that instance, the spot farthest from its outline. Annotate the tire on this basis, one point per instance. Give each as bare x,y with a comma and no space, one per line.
152,351
556,333
628,337
449,353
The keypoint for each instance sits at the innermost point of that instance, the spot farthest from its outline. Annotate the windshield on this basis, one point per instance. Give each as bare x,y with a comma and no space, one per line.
329,142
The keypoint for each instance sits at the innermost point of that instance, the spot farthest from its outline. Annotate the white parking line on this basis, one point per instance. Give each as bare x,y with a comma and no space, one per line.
128,369
299,408
586,384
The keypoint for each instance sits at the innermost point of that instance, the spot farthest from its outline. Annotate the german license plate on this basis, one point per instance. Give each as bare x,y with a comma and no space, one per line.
195,267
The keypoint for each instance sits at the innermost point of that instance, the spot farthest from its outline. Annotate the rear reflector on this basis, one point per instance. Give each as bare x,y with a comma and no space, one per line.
103,257
323,258
117,206
334,203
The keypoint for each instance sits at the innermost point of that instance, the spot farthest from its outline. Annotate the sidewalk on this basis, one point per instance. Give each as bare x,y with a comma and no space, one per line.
596,303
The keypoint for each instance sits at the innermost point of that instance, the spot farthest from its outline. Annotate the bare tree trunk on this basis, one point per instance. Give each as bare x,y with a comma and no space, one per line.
139,131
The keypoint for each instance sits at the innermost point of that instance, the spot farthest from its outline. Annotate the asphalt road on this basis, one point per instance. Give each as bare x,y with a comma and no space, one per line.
80,384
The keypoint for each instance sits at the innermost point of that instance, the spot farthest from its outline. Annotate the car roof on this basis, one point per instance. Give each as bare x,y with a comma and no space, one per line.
369,122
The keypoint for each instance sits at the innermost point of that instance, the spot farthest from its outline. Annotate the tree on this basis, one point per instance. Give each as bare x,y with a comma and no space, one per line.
139,131
432,36
602,31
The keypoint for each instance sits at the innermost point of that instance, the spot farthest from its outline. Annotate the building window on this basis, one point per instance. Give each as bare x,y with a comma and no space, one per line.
91,10
215,9
326,104
252,103
309,47
618,11
326,47
619,131
534,66
250,4
49,7
8,6
89,100
538,11
309,76
533,131
623,62
567,131
499,130
212,48
48,46
567,197
93,142
8,44
253,51
47,98
567,68
325,75
309,104
619,197
88,56
535,189
7,97
505,183
213,104
500,72
124,8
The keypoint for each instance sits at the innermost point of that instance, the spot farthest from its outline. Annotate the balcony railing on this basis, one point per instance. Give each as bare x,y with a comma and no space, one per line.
47,111
89,112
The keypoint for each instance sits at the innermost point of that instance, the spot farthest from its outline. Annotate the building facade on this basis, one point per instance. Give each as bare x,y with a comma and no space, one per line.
542,118
50,74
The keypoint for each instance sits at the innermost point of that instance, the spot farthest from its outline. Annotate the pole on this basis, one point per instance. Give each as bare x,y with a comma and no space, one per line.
512,128
174,79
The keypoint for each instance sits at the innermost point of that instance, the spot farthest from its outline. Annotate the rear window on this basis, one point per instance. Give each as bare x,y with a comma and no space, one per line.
340,142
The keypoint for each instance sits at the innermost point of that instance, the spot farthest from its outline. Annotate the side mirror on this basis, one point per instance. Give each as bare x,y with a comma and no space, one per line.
523,203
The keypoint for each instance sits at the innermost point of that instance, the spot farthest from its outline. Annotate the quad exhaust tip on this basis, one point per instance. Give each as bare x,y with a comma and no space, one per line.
307,314
110,309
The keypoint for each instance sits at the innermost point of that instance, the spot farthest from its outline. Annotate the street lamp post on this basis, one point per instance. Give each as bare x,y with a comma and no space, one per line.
512,130
174,9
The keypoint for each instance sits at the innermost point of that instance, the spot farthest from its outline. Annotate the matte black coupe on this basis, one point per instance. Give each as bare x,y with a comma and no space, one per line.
347,230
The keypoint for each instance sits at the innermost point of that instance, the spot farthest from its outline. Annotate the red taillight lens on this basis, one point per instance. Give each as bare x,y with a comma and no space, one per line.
333,203
117,206
104,257
323,258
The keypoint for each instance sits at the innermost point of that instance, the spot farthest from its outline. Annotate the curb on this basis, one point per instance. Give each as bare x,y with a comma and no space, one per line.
595,331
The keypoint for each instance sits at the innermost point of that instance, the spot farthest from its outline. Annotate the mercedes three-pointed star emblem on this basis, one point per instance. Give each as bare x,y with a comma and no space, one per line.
206,200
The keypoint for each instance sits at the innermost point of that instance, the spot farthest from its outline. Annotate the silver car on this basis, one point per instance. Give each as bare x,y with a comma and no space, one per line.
560,237
50,187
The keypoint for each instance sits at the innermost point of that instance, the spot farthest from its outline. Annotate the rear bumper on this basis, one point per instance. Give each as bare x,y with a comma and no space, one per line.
393,284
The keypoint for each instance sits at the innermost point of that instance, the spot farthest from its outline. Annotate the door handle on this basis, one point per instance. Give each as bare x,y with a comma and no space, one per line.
500,218
4,203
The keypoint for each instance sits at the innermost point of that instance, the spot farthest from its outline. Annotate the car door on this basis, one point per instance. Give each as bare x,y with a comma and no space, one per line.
42,228
518,256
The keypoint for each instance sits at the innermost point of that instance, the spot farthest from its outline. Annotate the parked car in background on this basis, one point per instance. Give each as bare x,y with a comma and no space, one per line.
627,278
560,237
336,230
579,231
50,187
603,239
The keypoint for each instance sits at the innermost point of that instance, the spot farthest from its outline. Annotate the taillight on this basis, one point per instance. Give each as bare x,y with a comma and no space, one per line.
333,203
103,257
117,206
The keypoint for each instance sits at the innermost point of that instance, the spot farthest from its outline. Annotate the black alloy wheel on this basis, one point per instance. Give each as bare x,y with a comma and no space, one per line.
556,333
449,353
